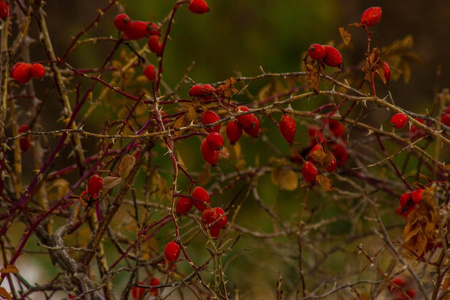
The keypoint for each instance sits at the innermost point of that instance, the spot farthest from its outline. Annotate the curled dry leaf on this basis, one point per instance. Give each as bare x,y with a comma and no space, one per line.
346,36
10,269
110,181
285,179
185,120
325,182
313,77
126,164
322,159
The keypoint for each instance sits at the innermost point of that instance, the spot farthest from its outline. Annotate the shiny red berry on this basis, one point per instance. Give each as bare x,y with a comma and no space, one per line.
196,90
208,90
214,219
122,22
209,117
22,73
288,128
405,200
253,130
37,71
316,51
137,292
234,132
210,156
153,29
387,71
215,141
309,171
201,198
332,166
340,153
247,120
3,10
135,30
336,127
399,120
184,205
371,16
333,57
154,45
95,184
14,68
198,6
172,252
416,196
446,119
150,73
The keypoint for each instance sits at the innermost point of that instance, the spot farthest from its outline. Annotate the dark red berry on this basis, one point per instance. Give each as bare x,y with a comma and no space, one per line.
253,130
22,73
210,156
198,6
3,10
405,199
333,57
135,30
208,90
137,292
37,71
215,219
122,22
399,120
153,29
184,205
154,45
11,72
446,119
247,120
150,73
153,282
196,91
414,129
95,184
332,166
316,51
387,71
416,196
234,132
411,293
371,16
340,153
288,128
309,171
209,117
201,198
396,283
172,252
336,128
215,141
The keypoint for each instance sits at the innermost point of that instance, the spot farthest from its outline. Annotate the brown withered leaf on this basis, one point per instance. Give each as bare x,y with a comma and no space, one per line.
110,181
185,120
126,164
346,36
10,269
228,90
446,286
4,293
325,182
379,70
57,189
313,77
421,226
374,60
285,179
322,158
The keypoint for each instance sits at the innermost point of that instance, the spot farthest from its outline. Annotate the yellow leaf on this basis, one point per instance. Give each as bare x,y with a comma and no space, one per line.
313,77
57,189
285,179
10,269
110,181
126,164
325,182
346,36
322,159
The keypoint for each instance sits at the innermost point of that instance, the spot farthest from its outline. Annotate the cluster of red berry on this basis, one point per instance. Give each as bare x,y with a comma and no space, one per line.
409,201
3,10
23,72
326,54
398,288
89,196
135,30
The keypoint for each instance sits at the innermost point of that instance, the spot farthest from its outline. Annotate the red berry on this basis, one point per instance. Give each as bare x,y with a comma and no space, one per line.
411,293
210,156
332,166
24,144
3,10
333,57
399,120
414,129
309,171
95,184
416,196
172,251
135,31
316,51
153,282
23,128
209,117
201,197
137,292
247,120
234,132
253,131
387,71
37,71
404,199
371,16
22,73
198,6
288,128
336,128
153,29
150,73
184,205
214,216
154,45
11,72
122,22
446,119
340,153
208,90
196,91
215,141
397,282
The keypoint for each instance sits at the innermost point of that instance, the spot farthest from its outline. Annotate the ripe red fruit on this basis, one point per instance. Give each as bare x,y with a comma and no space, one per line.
309,171
446,119
397,282
210,156
137,292
198,6
288,128
208,90
416,196
414,129
405,199
23,128
215,141
214,216
196,91
387,71
333,57
336,128
37,71
95,184
122,22
136,30
411,293
153,282
201,197
209,117
154,45
399,120
253,131
24,142
11,72
184,205
247,120
153,29
316,51
234,132
172,251
150,73
340,153
22,73
371,16
3,10
332,166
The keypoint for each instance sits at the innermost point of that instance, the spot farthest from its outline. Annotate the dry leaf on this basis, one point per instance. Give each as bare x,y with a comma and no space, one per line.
126,164
325,182
346,36
313,77
322,159
4,293
10,269
110,181
185,120
285,179
57,189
